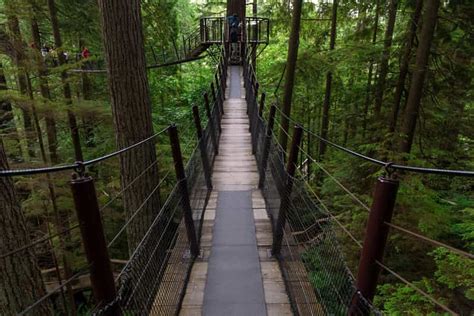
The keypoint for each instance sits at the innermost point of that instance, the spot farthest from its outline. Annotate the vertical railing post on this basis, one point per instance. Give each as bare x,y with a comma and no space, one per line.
219,90
381,212
183,187
254,119
202,148
251,110
212,123
266,146
218,106
223,75
202,30
262,104
286,196
93,239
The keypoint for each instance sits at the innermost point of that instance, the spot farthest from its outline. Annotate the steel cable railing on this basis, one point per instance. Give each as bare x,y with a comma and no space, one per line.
302,222
390,165
155,273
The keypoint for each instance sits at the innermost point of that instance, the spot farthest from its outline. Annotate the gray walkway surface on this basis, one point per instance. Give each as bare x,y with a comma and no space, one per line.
235,86
234,276
234,284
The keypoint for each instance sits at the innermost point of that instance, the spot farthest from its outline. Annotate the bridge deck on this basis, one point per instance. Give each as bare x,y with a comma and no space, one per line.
235,275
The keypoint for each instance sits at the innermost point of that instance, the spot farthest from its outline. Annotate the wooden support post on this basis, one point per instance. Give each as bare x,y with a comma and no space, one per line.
266,146
376,235
286,196
93,239
183,186
214,124
202,29
202,148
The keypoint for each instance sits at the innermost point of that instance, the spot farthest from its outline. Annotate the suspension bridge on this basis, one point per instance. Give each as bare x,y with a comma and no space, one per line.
237,225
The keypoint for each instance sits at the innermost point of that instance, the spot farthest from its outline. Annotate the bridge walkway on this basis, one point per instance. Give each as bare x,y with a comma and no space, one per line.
235,274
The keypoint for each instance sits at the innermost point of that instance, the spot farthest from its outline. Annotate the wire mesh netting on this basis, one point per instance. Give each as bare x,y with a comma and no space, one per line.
155,277
151,271
314,269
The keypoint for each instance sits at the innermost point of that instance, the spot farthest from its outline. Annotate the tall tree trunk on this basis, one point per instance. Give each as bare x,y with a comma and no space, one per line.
7,117
236,7
51,130
368,93
327,94
430,17
384,61
20,280
52,194
255,45
290,72
19,60
64,77
131,107
88,120
405,63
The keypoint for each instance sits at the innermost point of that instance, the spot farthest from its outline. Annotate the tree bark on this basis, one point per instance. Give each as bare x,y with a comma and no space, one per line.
327,94
52,194
7,117
418,78
384,61
19,60
64,78
290,72
20,280
88,120
236,7
51,130
368,92
405,63
131,107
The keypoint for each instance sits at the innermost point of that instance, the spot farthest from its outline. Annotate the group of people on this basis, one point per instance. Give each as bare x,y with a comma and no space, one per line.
51,54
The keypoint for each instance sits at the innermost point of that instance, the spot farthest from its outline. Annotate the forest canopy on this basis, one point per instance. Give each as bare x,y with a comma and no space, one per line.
390,79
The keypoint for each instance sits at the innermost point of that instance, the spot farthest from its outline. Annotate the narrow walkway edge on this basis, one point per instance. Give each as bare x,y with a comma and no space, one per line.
235,275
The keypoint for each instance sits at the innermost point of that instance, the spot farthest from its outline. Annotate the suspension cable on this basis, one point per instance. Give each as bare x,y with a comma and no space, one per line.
46,296
461,173
396,227
131,218
39,241
413,286
22,172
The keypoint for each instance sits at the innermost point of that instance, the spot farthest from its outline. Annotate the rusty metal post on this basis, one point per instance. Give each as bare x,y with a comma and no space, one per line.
217,124
183,186
220,93
266,146
224,67
252,107
376,235
202,148
93,239
286,196
254,119
262,104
